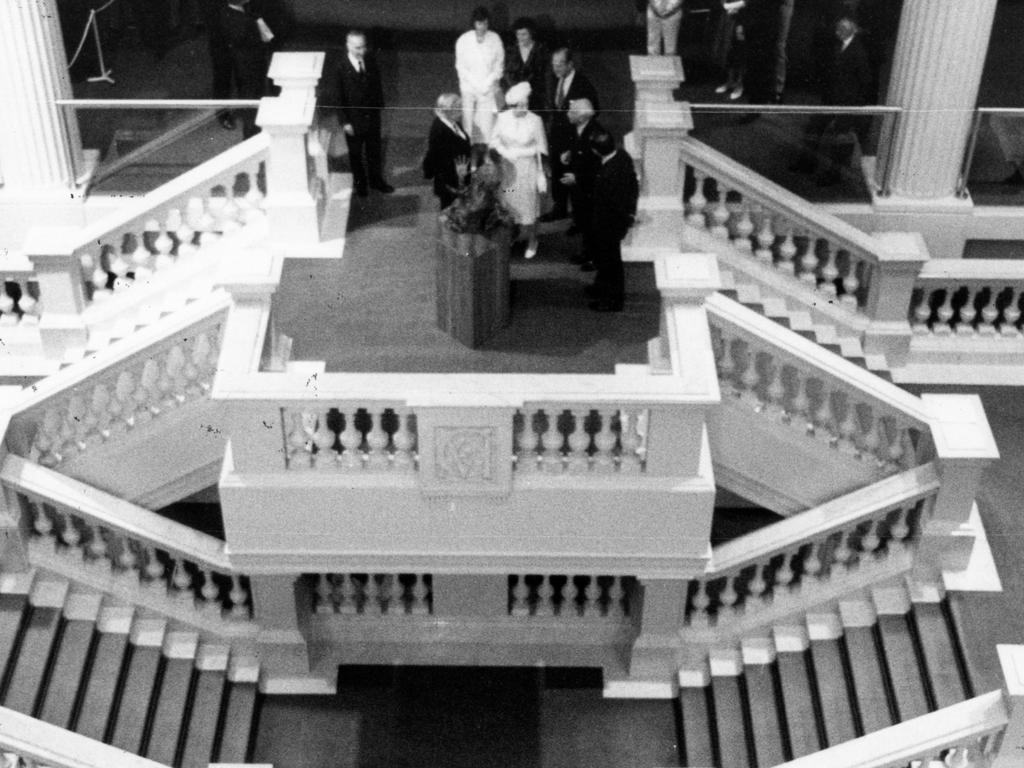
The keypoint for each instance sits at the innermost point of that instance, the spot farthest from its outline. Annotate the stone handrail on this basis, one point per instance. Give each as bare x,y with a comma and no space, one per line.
961,734
867,525
92,526
968,297
155,370
787,378
780,229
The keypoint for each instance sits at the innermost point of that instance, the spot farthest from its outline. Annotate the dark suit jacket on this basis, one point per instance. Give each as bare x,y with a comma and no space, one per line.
584,165
848,78
358,98
247,51
561,129
443,146
533,71
616,192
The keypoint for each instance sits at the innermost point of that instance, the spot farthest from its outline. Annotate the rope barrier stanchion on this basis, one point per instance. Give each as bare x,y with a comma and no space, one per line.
92,24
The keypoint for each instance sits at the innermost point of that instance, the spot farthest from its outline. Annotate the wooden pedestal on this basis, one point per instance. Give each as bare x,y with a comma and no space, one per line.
472,284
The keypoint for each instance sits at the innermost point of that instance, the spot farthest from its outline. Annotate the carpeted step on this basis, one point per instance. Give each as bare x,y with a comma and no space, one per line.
696,705
12,613
802,719
41,630
136,692
766,719
204,712
104,674
170,710
905,669
870,682
238,723
833,691
66,672
940,655
730,721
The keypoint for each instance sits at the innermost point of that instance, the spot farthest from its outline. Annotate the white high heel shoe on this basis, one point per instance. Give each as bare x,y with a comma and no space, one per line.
531,249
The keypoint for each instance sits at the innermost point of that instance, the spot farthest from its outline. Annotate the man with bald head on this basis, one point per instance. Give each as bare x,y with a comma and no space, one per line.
580,168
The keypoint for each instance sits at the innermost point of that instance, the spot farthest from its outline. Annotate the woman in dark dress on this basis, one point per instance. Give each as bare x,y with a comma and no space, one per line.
527,60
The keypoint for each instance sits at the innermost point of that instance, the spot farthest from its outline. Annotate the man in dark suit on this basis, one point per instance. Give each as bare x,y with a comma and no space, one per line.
616,192
847,82
570,84
359,100
582,165
448,150
248,50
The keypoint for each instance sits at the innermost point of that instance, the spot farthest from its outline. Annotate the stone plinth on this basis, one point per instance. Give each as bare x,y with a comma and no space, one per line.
472,284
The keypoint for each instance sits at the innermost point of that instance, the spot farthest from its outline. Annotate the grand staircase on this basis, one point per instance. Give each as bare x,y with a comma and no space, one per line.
117,674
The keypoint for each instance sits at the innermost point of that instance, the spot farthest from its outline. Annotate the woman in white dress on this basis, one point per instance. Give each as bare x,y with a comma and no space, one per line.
518,136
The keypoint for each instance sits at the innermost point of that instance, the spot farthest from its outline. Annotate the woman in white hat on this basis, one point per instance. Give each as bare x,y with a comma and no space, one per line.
518,136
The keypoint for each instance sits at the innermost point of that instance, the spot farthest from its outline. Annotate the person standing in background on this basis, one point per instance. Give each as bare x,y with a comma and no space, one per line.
448,150
781,47
582,165
480,63
247,39
526,61
359,100
664,18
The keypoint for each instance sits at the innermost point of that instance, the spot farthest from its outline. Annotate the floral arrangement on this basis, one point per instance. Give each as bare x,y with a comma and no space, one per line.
479,208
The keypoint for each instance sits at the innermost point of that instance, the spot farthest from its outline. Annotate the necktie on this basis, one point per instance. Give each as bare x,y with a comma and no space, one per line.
359,67
560,95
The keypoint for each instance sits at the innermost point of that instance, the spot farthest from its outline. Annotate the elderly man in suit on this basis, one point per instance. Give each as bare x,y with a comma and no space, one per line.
359,101
616,192
570,85
448,150
582,165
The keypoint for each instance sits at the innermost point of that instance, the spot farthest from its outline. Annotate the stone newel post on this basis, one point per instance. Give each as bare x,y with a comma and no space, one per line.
901,256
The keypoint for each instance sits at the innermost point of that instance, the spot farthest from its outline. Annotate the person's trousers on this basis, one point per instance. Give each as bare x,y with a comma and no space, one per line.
663,31
781,43
366,170
559,192
610,279
478,114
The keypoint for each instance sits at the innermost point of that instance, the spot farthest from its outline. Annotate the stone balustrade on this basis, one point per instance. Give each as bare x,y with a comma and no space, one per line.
388,595
351,438
970,298
795,383
19,299
112,394
779,229
117,542
556,440
571,596
865,527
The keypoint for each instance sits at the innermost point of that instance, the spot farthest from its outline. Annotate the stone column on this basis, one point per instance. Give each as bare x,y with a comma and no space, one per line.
40,149
936,72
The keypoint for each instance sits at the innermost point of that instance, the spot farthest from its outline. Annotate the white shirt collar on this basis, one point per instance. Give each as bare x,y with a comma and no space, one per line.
846,42
452,126
355,62
604,160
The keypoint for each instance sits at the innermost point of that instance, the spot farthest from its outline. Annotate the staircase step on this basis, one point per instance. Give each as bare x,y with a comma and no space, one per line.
870,684
939,655
203,717
29,668
239,723
136,693
766,719
66,673
104,674
12,608
801,708
730,721
904,668
833,691
170,710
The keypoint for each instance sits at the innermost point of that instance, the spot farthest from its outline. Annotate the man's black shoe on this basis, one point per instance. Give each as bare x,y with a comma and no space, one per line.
227,121
605,306
588,266
361,190
384,187
555,215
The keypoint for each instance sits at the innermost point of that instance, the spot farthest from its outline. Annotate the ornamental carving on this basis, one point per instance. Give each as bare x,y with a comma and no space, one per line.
464,453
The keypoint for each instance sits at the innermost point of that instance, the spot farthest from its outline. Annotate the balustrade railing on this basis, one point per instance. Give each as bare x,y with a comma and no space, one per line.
778,228
556,440
85,526
791,381
110,395
968,298
388,595
841,536
351,438
571,596
19,297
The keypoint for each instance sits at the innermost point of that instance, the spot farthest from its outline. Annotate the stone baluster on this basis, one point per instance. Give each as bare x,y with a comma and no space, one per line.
631,456
239,598
323,602
141,257
800,405
871,541
765,238
421,595
775,407
843,555
784,575
697,202
899,528
390,606
126,559
301,440
829,270
209,591
578,459
550,443
519,598
526,444
720,213
372,603
587,596
544,604
787,253
70,535
163,245
988,313
967,314
849,428
874,438
351,441
377,441
618,600
944,315
1011,315
727,365
96,549
604,442
181,582
813,565
154,569
729,597
700,603
323,438
824,415
750,378
744,228
808,264
758,585
403,441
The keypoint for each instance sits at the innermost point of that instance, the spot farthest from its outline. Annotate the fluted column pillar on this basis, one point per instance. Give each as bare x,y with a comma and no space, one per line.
936,72
40,148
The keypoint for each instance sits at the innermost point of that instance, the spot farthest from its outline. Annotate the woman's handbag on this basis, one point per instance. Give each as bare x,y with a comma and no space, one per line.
542,177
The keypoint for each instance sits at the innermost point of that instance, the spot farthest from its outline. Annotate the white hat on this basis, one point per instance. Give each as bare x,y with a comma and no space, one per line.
518,93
